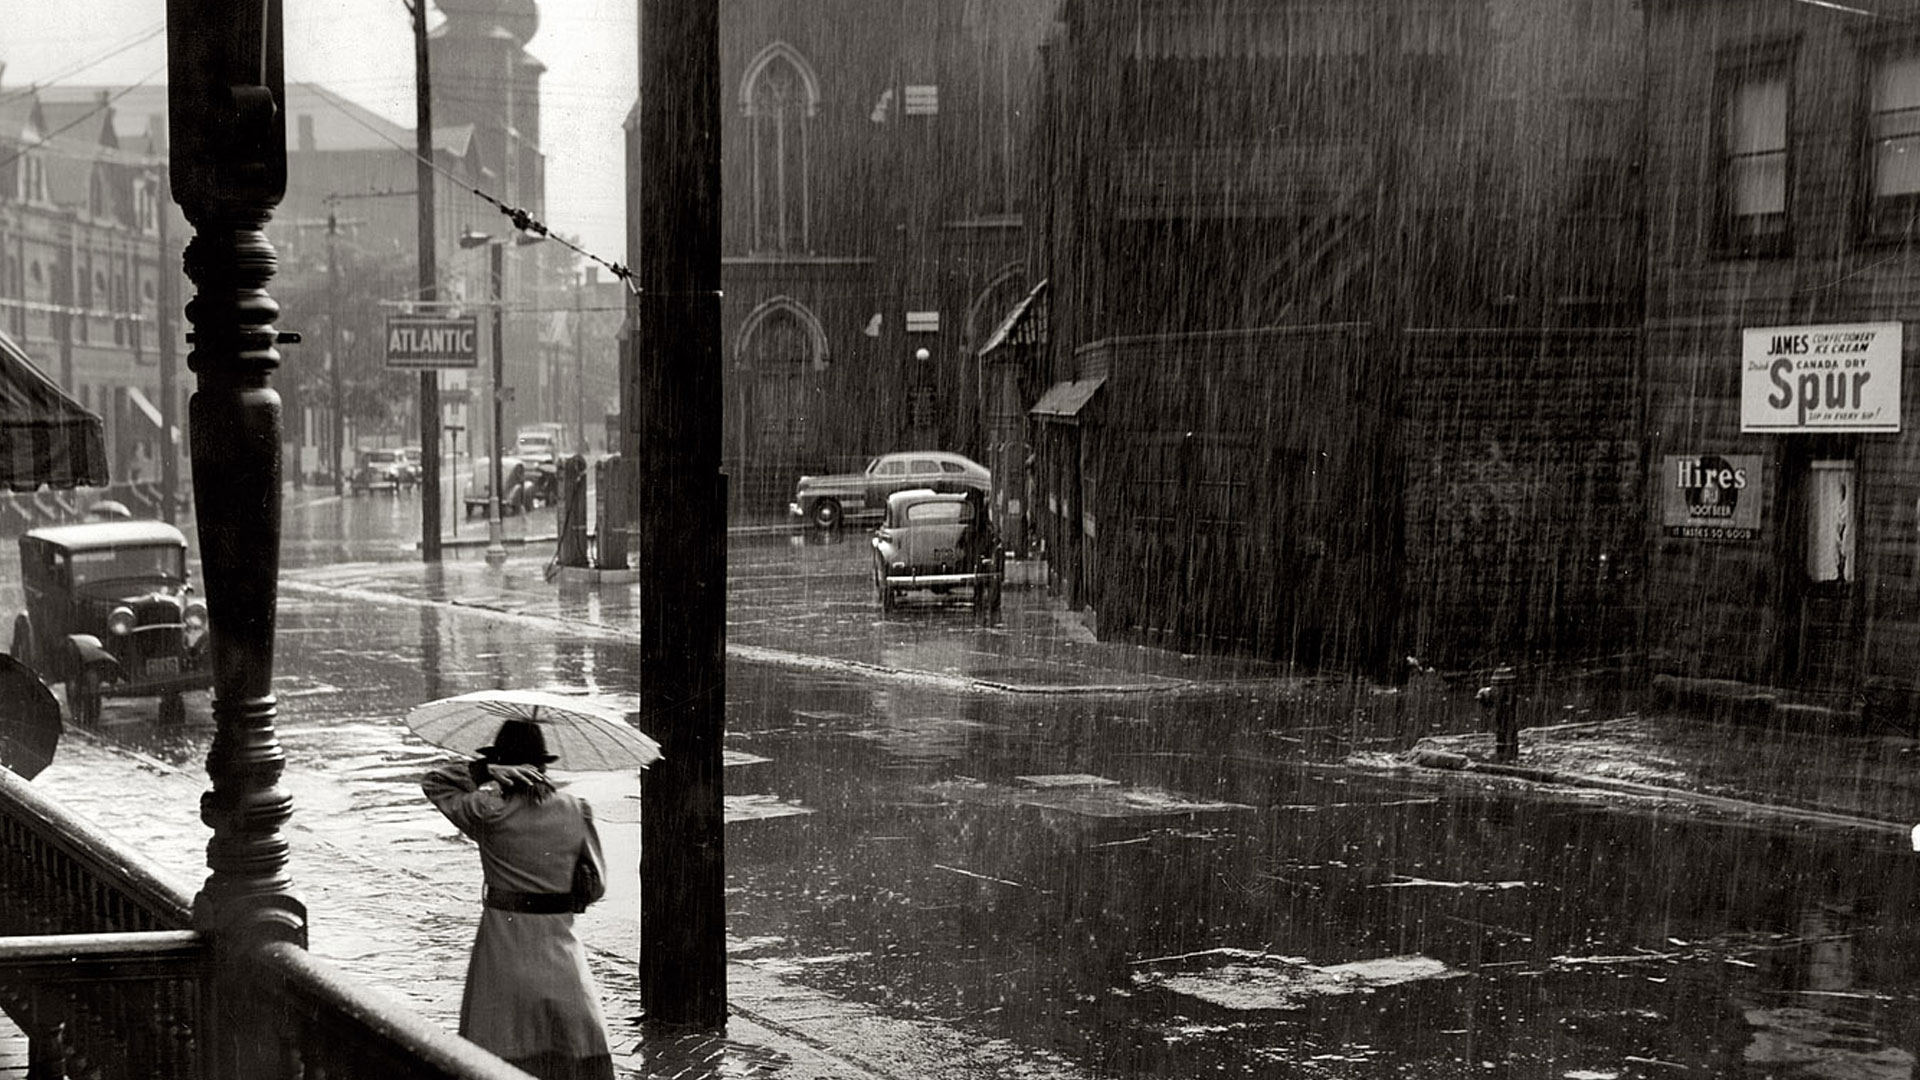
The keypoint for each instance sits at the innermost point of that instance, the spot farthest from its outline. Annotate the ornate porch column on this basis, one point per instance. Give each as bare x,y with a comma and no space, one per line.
228,166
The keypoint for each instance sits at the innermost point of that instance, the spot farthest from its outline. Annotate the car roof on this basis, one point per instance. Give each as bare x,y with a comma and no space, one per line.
934,455
94,535
920,495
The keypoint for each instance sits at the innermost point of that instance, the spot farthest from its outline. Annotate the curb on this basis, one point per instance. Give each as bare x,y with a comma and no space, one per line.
1440,762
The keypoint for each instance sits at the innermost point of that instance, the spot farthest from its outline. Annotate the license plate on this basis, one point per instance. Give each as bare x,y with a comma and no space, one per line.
165,665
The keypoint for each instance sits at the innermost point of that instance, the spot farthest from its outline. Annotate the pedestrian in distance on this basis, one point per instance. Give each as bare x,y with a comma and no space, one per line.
529,996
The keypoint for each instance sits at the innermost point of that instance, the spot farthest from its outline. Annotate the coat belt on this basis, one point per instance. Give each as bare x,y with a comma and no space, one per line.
529,903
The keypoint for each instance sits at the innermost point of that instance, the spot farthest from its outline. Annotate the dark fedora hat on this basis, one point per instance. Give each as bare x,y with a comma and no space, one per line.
518,742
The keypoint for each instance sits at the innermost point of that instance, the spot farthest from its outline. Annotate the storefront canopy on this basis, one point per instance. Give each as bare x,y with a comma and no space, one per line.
1026,324
1063,400
47,439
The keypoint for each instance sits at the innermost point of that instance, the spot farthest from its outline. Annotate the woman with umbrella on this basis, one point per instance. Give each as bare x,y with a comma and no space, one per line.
529,995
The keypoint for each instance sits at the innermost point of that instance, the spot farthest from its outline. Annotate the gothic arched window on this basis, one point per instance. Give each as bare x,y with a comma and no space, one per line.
779,97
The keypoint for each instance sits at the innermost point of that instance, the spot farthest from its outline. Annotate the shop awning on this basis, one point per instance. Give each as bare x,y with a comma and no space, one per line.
1064,400
47,439
1026,324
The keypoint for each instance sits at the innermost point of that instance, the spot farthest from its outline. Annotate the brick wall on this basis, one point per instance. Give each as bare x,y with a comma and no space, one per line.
1522,499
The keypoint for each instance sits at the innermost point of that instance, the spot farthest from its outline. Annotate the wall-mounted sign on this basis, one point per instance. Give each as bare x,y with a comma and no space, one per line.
1711,496
1838,377
431,341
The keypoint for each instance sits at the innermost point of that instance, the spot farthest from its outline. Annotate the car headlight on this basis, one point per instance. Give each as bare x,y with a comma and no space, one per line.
195,618
120,621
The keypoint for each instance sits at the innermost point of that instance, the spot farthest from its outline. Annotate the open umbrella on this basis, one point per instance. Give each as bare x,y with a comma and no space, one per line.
584,735
29,719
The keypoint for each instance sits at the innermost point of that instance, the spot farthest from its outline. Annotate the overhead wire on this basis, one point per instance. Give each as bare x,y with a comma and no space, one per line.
523,220
37,87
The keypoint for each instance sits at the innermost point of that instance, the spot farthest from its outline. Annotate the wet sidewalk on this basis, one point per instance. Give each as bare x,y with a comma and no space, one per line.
1728,768
777,1029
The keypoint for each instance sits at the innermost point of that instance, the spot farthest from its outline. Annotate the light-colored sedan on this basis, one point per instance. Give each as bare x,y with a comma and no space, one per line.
826,501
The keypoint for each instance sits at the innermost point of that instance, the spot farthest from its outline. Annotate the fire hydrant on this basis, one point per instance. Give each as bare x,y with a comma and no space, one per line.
1498,697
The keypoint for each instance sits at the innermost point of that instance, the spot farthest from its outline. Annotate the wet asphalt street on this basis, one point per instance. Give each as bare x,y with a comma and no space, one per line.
1095,869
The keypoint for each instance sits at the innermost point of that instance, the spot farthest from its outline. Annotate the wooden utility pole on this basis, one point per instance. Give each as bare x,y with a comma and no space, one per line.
339,421
165,306
674,227
429,288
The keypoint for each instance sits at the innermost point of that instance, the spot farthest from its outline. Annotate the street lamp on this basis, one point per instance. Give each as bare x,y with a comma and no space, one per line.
496,258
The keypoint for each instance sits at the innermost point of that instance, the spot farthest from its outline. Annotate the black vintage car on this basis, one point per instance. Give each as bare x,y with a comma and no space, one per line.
942,542
111,614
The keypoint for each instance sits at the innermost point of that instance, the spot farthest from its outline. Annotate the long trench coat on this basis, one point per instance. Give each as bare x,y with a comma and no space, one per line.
529,996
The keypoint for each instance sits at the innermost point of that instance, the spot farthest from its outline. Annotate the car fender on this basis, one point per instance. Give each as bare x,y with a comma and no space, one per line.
88,652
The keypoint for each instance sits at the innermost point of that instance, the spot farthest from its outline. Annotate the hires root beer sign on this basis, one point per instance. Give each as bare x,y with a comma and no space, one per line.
1711,496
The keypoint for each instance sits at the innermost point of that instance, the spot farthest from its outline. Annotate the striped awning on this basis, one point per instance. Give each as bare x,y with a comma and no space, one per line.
47,439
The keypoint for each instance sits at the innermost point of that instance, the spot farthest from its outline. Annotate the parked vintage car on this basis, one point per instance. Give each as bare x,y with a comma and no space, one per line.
513,486
110,612
380,469
410,461
826,501
537,445
941,541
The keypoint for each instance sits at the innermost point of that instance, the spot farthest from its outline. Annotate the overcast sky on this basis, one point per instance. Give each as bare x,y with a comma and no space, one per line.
364,50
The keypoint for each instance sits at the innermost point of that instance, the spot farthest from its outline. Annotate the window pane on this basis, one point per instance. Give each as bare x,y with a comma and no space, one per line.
1758,119
1759,185
1896,166
1755,156
1896,84
1895,126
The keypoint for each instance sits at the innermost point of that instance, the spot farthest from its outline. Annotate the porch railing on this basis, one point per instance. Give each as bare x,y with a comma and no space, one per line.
101,968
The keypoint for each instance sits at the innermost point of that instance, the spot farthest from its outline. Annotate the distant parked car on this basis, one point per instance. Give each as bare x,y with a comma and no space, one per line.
380,469
826,501
513,486
410,461
109,612
941,541
537,445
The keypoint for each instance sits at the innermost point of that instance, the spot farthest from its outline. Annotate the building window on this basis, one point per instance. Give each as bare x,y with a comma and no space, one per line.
779,97
1893,150
1753,160
1831,538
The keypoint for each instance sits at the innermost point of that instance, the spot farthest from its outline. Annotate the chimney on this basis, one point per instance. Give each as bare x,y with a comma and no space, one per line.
306,133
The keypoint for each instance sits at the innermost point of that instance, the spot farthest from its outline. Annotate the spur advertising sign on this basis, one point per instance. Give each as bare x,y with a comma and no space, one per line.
433,341
1840,377
1711,496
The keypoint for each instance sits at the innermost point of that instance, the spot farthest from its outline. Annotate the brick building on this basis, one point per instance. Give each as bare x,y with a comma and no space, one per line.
1343,310
81,263
1782,266
872,179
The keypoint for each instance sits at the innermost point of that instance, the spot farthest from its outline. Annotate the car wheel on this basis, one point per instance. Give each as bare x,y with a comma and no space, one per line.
83,697
22,649
826,514
882,589
173,709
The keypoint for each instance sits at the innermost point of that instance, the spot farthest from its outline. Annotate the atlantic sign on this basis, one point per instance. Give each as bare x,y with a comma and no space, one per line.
1837,377
433,341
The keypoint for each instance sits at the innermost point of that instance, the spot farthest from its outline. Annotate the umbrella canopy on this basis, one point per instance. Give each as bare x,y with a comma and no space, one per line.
46,437
584,735
29,719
